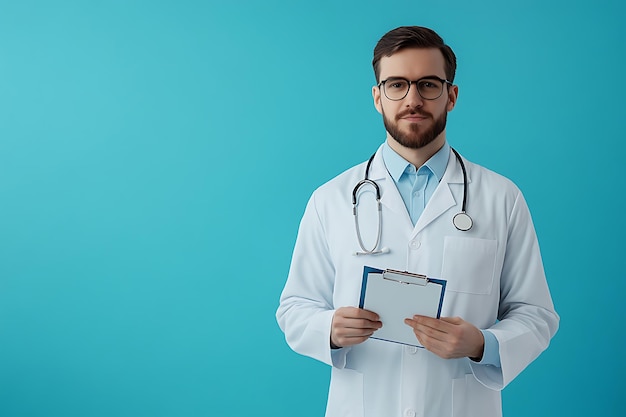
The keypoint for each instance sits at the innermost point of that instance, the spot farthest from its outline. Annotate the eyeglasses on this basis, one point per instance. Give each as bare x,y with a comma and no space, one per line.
429,88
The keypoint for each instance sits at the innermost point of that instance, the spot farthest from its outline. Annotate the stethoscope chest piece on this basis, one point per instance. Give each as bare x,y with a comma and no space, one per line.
462,221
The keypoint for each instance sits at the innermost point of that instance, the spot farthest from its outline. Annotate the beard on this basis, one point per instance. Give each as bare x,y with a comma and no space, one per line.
418,136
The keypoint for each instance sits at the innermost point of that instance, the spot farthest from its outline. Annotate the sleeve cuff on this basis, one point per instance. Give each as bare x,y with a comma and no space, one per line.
491,352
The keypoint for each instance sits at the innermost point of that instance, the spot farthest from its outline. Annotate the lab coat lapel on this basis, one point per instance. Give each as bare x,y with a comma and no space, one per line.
389,195
443,197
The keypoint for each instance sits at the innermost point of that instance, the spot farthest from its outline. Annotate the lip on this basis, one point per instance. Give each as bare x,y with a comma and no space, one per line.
414,118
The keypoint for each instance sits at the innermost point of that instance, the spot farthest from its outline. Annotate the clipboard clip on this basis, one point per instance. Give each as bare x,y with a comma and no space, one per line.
404,277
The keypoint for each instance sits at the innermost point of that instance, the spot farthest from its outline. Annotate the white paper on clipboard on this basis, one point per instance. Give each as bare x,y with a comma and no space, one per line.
397,295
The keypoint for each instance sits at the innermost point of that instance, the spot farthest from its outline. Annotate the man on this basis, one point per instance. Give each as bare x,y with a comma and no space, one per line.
497,314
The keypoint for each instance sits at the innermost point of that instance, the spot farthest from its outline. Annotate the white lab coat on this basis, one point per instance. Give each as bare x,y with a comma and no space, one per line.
495,280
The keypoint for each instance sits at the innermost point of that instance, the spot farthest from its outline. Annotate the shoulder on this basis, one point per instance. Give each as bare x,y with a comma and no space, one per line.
340,186
487,178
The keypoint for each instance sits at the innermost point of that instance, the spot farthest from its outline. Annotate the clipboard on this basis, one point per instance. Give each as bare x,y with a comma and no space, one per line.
397,295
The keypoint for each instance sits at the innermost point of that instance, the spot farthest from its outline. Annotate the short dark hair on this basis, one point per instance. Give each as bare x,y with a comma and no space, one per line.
413,37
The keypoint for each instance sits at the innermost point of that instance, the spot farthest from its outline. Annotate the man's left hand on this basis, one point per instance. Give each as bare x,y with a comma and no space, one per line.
448,337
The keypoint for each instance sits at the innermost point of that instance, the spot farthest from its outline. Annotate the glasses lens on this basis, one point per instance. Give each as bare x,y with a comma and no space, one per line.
396,89
430,88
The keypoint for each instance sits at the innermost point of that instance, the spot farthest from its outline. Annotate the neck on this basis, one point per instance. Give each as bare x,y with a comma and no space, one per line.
419,156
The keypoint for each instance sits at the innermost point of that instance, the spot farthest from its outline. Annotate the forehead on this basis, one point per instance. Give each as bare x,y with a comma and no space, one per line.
413,63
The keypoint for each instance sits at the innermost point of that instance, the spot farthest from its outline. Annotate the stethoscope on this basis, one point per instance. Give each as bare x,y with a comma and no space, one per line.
462,221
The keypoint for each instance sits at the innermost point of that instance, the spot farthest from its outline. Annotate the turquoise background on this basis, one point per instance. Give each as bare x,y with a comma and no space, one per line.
156,157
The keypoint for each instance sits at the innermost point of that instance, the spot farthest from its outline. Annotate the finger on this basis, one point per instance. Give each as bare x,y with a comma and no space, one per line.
434,341
443,324
362,324
357,313
428,342
426,321
412,323
367,314
438,347
355,325
452,320
422,330
348,333
422,323
348,337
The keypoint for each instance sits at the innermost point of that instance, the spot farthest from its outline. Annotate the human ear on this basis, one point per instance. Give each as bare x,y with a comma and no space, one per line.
453,95
376,97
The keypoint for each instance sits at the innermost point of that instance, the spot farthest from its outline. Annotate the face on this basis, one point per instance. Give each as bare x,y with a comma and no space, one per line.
414,122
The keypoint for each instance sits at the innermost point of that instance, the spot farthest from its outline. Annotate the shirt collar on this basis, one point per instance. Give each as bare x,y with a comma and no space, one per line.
396,165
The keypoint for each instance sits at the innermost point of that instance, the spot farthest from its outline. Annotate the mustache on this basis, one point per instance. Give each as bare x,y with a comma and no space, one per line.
412,112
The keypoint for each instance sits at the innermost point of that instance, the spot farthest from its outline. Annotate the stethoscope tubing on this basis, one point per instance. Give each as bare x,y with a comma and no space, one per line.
462,221
458,157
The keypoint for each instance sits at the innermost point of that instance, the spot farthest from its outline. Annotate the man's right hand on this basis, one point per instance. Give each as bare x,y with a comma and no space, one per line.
352,325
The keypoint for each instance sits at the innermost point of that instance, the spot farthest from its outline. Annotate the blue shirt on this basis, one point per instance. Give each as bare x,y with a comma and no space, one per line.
416,186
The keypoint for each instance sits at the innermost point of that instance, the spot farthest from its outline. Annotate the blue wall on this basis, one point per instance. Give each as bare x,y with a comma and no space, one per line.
156,157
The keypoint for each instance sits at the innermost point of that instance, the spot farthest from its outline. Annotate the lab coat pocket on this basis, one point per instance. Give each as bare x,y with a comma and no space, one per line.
345,396
470,398
469,264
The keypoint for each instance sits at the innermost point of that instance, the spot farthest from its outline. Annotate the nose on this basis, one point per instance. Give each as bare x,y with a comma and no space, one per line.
413,98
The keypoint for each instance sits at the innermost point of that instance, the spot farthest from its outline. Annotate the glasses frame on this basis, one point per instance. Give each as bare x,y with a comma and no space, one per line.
381,85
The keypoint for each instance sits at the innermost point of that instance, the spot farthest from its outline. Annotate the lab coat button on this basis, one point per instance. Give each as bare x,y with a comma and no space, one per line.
415,244
411,350
409,412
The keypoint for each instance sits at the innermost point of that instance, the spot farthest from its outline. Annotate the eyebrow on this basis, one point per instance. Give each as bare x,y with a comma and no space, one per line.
395,77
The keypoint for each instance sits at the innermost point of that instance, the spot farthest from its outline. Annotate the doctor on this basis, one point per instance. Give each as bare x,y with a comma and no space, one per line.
497,314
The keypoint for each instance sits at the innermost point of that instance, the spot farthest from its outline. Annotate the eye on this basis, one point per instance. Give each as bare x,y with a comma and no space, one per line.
396,84
430,85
